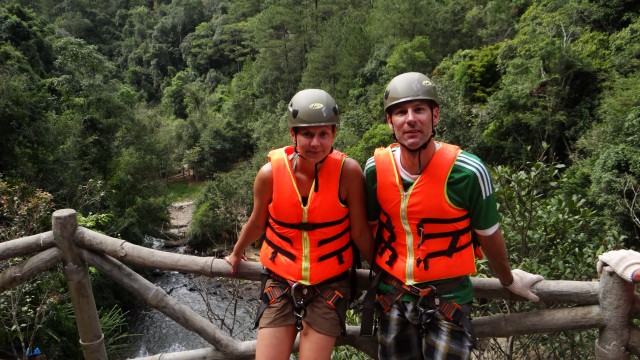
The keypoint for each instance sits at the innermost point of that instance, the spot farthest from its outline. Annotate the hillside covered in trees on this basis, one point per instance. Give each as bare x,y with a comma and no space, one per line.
102,101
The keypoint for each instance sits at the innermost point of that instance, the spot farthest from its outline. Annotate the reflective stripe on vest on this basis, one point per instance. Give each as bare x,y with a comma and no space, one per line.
423,237
309,243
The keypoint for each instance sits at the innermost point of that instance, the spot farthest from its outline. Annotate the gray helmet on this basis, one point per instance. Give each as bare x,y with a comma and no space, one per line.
312,107
409,86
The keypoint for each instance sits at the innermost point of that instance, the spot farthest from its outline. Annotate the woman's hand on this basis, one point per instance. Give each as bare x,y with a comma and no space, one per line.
234,260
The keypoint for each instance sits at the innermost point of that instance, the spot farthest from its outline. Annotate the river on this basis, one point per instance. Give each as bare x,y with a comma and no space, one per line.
228,303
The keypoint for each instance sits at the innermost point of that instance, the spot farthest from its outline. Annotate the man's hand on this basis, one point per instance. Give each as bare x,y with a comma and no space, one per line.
522,282
623,262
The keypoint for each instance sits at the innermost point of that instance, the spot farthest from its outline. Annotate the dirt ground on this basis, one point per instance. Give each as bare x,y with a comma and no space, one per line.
181,215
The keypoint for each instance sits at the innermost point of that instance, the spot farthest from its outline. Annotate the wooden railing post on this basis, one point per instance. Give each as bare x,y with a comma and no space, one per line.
616,302
64,225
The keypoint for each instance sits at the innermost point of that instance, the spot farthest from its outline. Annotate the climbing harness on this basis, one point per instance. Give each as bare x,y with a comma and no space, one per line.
301,295
428,300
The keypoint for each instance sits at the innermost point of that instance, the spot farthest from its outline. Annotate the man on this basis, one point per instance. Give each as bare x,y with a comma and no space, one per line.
433,208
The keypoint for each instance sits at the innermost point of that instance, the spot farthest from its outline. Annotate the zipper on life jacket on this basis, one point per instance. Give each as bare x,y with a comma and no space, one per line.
409,235
306,251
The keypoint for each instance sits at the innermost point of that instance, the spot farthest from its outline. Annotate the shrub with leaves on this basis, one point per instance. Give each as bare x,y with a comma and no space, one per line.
551,233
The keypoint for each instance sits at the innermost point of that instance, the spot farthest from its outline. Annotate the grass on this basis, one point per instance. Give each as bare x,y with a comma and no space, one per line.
183,191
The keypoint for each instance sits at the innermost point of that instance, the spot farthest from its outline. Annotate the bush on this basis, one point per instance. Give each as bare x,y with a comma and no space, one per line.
551,233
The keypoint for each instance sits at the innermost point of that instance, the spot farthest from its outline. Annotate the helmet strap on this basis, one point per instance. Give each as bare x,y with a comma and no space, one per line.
316,181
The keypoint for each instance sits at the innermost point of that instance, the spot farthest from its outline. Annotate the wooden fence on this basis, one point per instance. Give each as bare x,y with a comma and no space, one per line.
608,305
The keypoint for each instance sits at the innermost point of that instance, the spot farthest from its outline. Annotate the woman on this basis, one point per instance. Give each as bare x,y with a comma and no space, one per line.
309,202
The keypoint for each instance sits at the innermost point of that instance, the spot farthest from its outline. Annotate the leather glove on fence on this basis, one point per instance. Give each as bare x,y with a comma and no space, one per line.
623,262
522,282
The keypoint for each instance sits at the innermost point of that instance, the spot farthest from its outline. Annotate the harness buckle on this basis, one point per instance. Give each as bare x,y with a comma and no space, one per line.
332,298
450,310
385,302
272,294
420,292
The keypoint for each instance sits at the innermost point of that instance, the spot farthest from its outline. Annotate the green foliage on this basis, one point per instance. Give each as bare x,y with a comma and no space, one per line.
615,185
94,221
117,339
27,312
548,231
182,191
23,210
414,55
552,233
22,29
222,209
105,101
625,49
342,48
379,135
24,124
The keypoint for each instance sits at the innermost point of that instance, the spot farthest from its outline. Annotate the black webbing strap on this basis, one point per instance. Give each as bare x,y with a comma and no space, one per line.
278,250
309,226
268,296
368,305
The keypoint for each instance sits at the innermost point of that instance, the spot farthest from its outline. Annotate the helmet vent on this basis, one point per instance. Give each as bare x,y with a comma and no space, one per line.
294,113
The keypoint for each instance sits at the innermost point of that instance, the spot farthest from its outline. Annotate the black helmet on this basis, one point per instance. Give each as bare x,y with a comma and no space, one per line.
409,86
312,107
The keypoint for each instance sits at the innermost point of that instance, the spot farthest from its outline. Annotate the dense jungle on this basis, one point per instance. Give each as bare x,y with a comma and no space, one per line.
101,102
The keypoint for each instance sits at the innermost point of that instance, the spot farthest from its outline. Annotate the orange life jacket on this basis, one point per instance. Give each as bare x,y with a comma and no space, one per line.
309,243
421,235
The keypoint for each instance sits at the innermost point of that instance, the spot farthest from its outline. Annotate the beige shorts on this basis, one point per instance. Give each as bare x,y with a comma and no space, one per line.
319,315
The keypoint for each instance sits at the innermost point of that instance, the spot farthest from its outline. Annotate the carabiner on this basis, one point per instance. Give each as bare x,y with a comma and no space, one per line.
293,294
298,306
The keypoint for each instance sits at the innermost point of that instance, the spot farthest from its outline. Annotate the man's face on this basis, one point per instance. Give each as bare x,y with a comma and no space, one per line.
412,122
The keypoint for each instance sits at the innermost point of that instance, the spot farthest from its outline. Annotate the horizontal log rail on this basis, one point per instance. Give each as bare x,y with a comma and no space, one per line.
608,304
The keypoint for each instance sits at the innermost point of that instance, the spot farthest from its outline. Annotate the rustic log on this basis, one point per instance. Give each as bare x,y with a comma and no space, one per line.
199,354
616,301
149,258
161,301
538,321
636,304
64,225
550,292
26,245
367,345
634,341
558,291
27,270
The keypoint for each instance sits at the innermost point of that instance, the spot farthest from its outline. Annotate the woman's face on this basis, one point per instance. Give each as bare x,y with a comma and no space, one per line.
314,142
